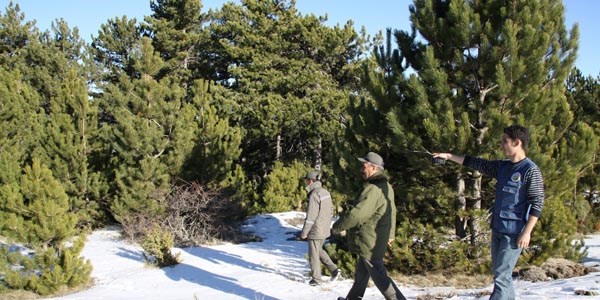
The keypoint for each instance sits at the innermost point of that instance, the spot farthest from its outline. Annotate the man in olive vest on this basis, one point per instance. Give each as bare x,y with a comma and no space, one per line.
317,227
371,227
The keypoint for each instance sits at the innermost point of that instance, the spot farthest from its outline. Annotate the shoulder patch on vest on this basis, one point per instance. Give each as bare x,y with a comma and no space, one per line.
516,177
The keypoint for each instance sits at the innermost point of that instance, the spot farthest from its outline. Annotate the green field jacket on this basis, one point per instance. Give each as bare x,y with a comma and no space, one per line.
371,220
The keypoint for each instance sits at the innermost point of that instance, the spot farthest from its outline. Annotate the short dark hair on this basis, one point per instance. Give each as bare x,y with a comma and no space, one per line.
518,132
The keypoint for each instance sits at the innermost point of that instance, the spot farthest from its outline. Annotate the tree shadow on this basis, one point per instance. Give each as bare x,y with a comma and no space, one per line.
590,260
183,271
274,234
292,270
222,257
214,281
131,254
274,244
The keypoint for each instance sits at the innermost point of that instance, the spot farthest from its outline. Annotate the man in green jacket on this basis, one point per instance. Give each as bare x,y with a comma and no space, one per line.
371,226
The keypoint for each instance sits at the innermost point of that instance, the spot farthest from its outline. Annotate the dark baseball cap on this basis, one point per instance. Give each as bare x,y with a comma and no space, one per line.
373,158
312,175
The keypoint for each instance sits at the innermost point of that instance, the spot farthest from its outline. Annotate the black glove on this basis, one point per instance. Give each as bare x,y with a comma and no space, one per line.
296,236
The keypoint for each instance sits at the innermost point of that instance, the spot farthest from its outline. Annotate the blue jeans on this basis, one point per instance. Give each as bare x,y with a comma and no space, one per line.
505,254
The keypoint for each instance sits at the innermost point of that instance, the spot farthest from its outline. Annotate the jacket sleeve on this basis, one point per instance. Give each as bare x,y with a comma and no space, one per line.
487,167
535,191
312,212
393,227
360,213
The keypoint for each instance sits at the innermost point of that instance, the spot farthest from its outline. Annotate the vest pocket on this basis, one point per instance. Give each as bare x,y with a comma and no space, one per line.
510,222
509,197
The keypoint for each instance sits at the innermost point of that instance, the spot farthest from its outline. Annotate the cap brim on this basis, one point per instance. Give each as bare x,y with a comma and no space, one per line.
367,161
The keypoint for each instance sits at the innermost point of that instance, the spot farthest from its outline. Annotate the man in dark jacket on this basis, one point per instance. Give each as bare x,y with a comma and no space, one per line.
518,203
371,226
317,227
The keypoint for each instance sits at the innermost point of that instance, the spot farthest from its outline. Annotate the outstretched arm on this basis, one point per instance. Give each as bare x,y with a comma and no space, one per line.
459,159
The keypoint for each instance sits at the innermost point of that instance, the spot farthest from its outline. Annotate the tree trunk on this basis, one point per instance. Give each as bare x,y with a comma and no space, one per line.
461,207
474,219
278,148
318,154
84,157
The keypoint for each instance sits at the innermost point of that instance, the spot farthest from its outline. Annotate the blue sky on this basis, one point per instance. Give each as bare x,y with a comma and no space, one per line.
374,15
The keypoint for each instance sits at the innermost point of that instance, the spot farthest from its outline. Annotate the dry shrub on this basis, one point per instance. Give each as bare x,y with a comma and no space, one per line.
456,280
533,274
558,268
597,226
18,295
297,221
554,268
453,294
480,294
136,225
199,215
587,293
194,215
436,296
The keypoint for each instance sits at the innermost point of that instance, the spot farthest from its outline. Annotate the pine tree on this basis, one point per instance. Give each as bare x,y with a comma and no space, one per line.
46,120
178,34
112,49
477,68
292,76
58,105
157,130
20,114
73,125
117,154
19,129
37,215
359,137
284,190
216,142
137,135
583,94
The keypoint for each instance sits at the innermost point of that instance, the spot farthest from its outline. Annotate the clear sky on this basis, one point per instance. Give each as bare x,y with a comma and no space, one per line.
374,15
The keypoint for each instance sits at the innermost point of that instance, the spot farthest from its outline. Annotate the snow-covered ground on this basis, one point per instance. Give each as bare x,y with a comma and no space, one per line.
272,269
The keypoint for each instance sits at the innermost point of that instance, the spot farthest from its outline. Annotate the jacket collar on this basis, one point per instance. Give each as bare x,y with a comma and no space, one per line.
312,186
376,177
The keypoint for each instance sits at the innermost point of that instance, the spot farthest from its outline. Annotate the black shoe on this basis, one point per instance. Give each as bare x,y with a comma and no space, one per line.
336,274
313,282
341,298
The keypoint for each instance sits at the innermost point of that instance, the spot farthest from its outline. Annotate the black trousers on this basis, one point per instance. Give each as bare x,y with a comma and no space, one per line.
374,269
